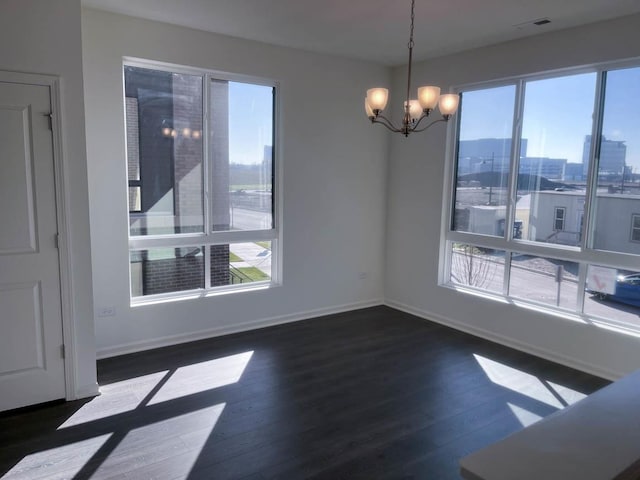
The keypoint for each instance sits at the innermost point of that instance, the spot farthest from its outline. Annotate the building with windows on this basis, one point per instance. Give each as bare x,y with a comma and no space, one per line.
493,155
613,154
559,218
349,215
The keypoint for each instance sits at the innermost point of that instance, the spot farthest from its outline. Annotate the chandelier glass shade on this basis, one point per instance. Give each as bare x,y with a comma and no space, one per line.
415,110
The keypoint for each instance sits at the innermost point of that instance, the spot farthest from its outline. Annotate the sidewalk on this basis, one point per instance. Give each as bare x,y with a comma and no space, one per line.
252,255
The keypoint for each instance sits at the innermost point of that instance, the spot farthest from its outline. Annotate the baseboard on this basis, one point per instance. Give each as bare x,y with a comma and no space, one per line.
507,341
86,391
229,329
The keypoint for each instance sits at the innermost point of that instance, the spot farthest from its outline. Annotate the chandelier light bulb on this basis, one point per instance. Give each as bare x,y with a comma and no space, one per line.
415,110
368,109
377,98
449,103
428,97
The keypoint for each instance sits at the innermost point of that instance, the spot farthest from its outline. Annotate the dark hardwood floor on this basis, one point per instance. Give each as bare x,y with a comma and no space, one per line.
370,394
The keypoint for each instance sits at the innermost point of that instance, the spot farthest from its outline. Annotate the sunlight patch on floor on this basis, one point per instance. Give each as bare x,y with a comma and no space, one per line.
567,394
115,398
525,417
203,376
526,384
61,462
172,458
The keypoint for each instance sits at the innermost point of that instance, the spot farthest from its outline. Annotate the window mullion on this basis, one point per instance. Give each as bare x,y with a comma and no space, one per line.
594,155
514,160
507,272
206,183
582,284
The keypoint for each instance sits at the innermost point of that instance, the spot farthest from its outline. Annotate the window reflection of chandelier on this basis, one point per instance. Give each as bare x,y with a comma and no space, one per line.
185,132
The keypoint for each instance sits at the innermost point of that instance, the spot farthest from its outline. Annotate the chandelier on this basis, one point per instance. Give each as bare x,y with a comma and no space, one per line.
415,111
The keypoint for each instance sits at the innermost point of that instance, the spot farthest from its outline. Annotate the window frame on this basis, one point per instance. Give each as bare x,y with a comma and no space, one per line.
634,228
557,219
583,254
210,237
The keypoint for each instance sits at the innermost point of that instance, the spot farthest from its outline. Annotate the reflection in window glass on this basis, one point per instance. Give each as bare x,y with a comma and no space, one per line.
484,150
613,295
241,115
477,267
618,183
240,263
552,170
162,270
544,280
164,151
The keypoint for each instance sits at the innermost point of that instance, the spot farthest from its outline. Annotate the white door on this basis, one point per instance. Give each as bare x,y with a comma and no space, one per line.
31,363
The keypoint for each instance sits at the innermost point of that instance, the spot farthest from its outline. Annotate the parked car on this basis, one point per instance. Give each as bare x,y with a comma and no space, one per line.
627,290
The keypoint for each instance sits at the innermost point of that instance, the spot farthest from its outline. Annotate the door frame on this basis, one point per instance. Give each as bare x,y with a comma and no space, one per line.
62,218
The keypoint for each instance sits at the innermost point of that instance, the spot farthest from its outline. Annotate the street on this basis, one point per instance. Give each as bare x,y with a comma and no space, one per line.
536,284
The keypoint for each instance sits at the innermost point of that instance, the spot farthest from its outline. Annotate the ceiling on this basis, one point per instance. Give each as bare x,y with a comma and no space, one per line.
373,30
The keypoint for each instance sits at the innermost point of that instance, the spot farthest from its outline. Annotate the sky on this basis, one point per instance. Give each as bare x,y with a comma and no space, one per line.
250,122
558,114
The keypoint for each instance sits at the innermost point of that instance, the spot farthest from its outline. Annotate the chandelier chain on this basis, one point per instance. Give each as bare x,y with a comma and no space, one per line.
413,16
407,118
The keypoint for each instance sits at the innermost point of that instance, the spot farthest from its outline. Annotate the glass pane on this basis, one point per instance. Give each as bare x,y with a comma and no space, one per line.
164,150
477,267
544,280
618,190
484,150
240,263
613,294
552,173
163,270
241,152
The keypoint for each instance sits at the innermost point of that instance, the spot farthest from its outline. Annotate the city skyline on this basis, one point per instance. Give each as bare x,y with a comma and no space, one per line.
558,114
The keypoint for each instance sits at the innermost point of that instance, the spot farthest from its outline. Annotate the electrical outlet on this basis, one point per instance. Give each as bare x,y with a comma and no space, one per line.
107,312
363,275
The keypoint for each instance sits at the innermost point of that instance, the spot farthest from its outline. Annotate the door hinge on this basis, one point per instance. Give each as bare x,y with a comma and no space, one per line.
56,241
62,351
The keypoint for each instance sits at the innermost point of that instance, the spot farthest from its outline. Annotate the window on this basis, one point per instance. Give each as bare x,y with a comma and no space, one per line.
484,153
550,143
635,228
558,218
617,159
477,267
200,164
540,193
543,280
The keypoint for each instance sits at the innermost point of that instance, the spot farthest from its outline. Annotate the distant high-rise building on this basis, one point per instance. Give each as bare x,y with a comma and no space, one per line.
494,155
551,168
613,154
486,154
574,171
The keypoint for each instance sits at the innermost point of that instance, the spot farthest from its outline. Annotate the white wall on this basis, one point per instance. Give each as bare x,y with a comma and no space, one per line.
41,36
334,182
415,204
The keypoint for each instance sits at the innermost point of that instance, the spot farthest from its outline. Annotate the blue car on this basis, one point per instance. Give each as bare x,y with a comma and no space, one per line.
627,290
